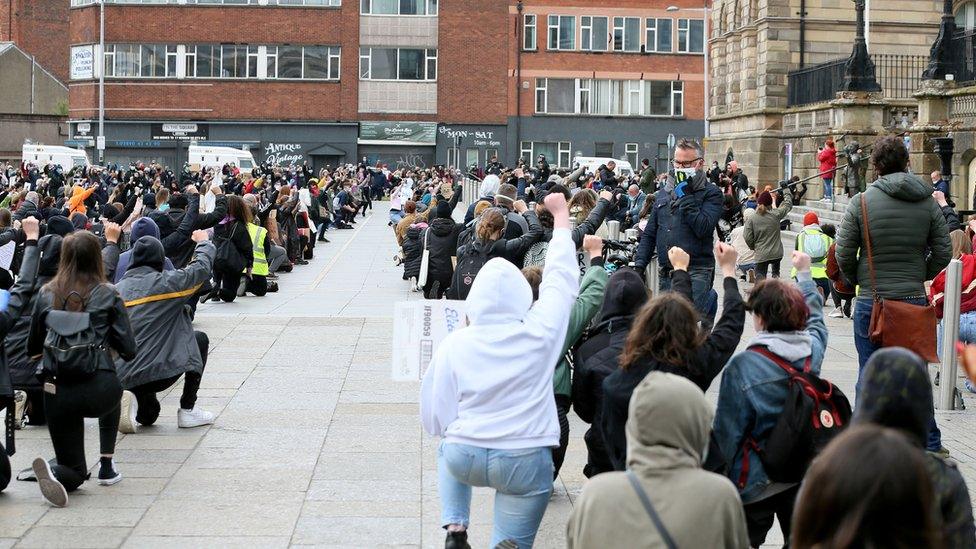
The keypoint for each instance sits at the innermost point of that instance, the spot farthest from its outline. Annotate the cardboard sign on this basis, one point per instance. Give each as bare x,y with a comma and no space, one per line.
418,329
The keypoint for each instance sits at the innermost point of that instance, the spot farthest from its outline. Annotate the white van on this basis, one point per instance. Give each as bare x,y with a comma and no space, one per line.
593,162
66,157
202,156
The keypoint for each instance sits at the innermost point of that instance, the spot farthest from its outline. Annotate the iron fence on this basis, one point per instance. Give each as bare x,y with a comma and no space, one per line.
899,76
964,44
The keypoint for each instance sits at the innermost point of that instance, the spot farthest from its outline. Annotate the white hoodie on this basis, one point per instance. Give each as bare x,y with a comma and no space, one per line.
490,384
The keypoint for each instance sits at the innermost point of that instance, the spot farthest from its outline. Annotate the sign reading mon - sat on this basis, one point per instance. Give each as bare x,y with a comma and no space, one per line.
82,62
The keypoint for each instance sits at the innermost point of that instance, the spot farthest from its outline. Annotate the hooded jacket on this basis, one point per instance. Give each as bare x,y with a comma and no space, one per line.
156,302
140,228
908,235
762,231
441,238
489,385
896,392
667,434
78,197
23,367
700,367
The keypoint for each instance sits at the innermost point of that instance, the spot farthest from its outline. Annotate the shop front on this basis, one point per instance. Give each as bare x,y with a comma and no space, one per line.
398,144
463,145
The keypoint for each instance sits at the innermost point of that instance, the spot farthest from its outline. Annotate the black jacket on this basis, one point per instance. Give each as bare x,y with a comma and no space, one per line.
23,368
413,251
239,236
20,296
702,366
441,238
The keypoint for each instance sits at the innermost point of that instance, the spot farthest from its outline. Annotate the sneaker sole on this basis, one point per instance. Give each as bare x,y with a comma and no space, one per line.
20,406
52,490
127,420
110,481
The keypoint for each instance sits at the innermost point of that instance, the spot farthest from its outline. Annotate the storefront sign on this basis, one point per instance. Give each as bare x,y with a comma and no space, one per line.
82,62
180,131
284,154
475,138
412,133
137,144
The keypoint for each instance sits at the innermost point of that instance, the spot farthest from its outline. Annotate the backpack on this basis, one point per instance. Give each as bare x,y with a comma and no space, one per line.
536,255
815,411
228,258
471,258
72,349
813,245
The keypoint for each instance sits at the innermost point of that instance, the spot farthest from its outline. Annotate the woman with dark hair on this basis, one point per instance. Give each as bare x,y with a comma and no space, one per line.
235,253
763,234
869,488
79,287
665,337
790,330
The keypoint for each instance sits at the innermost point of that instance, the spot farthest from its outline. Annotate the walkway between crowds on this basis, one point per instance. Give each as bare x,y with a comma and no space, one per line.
313,444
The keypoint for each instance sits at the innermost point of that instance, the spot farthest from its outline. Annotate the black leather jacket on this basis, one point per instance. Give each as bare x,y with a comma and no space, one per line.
108,317
20,295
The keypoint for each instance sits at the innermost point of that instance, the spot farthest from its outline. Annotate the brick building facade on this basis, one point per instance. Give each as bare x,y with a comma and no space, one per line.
403,81
38,27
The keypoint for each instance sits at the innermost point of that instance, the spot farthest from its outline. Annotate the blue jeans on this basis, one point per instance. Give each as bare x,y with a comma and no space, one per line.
967,334
704,296
828,185
865,348
522,480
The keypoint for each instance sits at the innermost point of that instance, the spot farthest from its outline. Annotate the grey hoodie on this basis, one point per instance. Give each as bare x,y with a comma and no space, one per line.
667,432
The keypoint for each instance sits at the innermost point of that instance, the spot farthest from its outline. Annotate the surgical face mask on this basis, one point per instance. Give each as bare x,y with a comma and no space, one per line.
685,173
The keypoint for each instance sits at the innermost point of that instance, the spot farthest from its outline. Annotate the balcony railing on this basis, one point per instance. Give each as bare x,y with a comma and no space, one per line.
964,43
899,76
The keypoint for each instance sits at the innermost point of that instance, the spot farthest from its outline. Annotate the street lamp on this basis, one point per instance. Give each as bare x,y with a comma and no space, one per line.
706,11
100,140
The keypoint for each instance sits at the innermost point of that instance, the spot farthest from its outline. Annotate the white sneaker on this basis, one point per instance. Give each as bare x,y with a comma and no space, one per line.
836,313
20,406
196,417
127,420
51,489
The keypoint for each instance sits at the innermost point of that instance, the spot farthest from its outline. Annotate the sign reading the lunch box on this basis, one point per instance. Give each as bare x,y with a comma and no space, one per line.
179,131
419,133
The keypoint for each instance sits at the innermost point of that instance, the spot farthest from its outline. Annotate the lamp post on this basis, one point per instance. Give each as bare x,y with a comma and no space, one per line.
519,42
100,140
859,75
706,13
942,56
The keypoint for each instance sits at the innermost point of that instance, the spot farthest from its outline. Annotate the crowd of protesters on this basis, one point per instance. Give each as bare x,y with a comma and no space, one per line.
102,270
554,325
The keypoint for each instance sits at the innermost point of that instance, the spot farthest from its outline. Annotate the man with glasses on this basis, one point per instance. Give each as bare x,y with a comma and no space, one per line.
685,213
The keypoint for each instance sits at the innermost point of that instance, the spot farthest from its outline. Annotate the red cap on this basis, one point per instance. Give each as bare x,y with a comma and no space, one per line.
811,219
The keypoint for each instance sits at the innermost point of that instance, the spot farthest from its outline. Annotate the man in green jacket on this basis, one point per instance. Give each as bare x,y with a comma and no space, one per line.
909,241
587,305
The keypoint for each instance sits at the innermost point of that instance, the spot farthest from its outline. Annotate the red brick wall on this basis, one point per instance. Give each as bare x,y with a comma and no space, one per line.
473,44
38,28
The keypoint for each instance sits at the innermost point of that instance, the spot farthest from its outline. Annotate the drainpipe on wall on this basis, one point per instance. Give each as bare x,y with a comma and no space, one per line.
33,68
518,78
803,32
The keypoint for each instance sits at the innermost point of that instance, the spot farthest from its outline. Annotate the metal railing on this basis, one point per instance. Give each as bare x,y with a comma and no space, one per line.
899,76
964,44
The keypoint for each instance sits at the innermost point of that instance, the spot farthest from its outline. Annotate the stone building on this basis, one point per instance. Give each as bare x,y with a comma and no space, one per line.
776,66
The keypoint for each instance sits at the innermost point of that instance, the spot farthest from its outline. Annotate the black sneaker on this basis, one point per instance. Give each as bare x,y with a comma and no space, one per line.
457,540
107,475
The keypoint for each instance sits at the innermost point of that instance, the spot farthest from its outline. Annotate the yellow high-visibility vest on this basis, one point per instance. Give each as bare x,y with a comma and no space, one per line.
258,234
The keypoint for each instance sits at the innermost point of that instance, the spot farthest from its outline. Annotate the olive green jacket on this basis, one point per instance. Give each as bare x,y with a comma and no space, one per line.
587,305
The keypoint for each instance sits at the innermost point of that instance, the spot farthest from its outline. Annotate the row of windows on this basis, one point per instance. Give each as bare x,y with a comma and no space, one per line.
222,61
397,64
595,97
619,34
558,152
398,7
310,3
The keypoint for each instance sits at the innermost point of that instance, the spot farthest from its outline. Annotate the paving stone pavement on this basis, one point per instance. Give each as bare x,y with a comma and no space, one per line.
314,445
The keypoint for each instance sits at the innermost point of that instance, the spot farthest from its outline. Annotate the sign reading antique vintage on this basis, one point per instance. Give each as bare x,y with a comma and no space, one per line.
284,154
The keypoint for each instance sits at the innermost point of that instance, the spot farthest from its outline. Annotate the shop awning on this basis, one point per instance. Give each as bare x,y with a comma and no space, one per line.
326,150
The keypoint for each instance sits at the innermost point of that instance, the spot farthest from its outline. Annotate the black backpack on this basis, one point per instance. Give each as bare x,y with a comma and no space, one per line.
471,258
228,258
72,349
815,411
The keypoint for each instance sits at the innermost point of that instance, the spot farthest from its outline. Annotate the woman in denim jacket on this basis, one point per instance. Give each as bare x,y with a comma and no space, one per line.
789,323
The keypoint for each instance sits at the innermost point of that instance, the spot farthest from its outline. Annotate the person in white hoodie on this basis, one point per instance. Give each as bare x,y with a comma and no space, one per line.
488,392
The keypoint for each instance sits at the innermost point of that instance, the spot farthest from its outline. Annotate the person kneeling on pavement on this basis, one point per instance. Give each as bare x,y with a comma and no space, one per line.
168,346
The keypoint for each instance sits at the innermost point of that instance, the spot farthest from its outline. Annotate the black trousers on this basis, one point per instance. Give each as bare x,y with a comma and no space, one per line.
763,269
145,394
597,459
443,283
225,284
563,403
97,397
759,516
257,285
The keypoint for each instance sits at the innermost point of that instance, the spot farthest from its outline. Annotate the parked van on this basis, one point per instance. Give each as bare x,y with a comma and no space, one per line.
66,157
593,162
202,156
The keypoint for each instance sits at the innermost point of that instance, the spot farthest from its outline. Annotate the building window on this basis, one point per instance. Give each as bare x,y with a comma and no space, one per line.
471,158
691,35
540,94
626,34
658,39
397,64
966,16
555,96
609,97
603,150
631,150
556,153
562,32
140,61
260,62
489,154
452,157
529,33
307,3
398,7
593,33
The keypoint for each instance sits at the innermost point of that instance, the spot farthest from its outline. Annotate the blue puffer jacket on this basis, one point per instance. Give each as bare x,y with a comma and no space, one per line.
688,223
754,391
